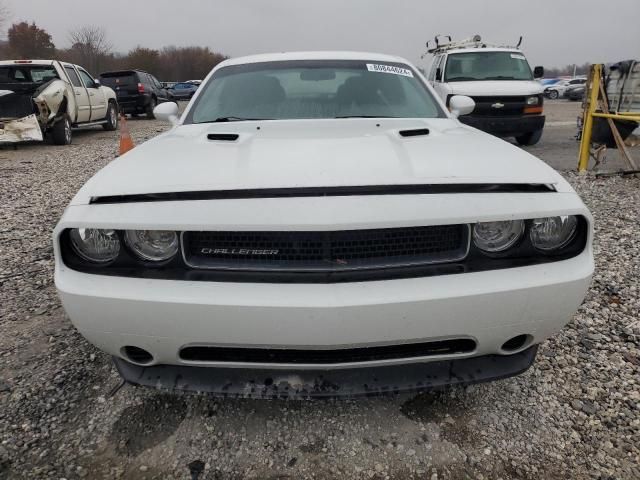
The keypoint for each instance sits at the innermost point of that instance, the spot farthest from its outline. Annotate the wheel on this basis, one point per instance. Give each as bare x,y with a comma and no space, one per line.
152,104
112,118
530,138
553,94
61,131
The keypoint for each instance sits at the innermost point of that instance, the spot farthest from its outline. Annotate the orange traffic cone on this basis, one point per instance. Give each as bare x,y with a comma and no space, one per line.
126,143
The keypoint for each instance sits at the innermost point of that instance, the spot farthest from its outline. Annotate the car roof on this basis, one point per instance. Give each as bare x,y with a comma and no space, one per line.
26,62
487,49
320,55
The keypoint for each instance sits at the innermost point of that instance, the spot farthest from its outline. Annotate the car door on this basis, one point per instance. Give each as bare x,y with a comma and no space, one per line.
438,77
83,106
178,90
97,98
162,94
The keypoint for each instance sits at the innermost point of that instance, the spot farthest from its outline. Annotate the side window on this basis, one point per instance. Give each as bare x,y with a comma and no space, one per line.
73,76
432,72
86,79
156,82
438,65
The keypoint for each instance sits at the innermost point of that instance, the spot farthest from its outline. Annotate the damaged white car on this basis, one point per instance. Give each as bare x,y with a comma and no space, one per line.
40,97
319,224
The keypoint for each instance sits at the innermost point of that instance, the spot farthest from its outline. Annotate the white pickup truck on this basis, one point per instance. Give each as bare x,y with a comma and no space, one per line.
40,97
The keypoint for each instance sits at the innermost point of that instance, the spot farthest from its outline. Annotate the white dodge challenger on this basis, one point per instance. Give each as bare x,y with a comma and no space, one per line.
319,224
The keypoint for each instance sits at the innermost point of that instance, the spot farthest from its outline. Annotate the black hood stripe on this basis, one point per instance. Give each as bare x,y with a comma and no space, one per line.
421,189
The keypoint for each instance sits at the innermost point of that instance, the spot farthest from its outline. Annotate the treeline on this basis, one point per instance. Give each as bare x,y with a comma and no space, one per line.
91,49
567,70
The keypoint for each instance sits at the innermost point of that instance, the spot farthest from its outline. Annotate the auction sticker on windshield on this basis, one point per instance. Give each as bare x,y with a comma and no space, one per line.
372,67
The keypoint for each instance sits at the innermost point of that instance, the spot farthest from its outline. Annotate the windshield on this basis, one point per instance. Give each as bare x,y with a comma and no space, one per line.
313,89
462,67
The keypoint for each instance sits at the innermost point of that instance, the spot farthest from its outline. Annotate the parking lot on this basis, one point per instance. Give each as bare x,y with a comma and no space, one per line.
574,414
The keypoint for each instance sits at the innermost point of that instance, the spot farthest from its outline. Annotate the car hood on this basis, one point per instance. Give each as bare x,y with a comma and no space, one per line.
315,153
496,88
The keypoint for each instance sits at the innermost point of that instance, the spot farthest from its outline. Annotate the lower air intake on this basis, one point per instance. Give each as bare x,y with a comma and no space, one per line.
326,357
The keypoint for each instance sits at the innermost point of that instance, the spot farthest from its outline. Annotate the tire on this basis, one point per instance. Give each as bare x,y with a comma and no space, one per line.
61,131
112,118
530,138
553,94
152,104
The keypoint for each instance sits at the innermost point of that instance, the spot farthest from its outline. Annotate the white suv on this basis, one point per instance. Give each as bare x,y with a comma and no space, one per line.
319,224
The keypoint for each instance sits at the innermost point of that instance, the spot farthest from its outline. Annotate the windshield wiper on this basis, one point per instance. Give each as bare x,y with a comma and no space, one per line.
232,119
365,116
500,77
460,79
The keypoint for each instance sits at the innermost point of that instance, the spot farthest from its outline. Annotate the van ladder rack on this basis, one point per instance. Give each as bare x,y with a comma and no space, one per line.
435,45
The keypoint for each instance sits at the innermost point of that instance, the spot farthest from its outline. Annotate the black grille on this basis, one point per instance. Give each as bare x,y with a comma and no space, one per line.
326,357
499,106
326,251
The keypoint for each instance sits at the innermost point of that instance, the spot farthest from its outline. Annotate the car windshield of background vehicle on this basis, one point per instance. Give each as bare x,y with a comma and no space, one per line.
465,67
313,89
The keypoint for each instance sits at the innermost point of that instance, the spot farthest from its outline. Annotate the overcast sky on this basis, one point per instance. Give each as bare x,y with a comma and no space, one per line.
555,33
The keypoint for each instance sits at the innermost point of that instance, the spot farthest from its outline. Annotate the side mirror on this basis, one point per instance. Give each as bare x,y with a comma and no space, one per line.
538,72
167,112
96,83
461,105
438,74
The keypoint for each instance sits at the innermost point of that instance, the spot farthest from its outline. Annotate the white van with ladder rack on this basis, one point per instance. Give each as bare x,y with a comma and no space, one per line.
500,81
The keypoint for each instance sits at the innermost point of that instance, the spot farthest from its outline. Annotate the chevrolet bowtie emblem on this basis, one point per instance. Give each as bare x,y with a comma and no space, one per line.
497,105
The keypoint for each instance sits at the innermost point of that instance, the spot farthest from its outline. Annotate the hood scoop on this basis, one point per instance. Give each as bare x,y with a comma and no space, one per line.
414,132
224,137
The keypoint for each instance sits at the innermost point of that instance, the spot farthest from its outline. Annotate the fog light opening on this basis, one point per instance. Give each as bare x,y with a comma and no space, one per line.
516,343
137,355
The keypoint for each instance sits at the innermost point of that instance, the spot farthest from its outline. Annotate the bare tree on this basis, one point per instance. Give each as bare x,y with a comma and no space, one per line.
5,14
90,46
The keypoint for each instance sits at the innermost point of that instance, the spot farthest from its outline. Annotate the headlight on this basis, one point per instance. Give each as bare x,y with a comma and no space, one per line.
533,100
153,245
552,233
94,244
497,236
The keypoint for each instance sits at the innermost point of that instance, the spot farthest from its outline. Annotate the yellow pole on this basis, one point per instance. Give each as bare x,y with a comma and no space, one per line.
587,124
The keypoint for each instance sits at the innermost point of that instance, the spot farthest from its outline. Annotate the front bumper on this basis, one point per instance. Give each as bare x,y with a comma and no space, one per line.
301,384
163,316
505,126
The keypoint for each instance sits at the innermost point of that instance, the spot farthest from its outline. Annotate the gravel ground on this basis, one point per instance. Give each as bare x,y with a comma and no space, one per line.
574,414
